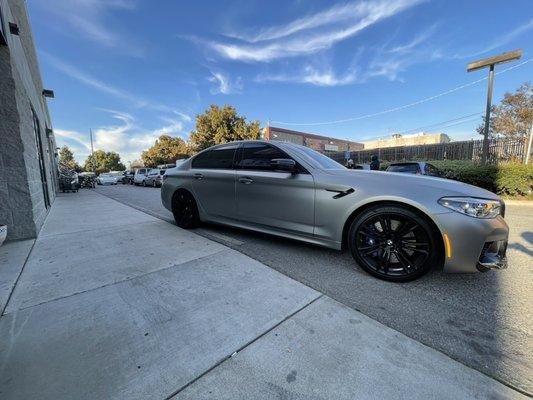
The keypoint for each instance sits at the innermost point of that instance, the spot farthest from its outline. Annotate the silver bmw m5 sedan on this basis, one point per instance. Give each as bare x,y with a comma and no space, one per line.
396,226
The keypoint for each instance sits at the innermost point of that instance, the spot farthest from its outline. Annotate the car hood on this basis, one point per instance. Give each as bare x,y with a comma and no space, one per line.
408,185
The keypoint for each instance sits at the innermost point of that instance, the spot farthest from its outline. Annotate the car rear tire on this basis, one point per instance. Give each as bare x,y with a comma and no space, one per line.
144,183
154,184
394,243
185,210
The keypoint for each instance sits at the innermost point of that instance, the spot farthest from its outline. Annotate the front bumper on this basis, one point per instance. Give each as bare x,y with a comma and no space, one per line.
473,244
493,256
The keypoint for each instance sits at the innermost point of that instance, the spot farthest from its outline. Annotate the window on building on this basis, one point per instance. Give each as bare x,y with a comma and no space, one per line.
3,34
40,156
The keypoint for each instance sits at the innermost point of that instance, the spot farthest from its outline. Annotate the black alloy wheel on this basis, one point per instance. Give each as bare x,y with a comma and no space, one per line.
185,210
394,243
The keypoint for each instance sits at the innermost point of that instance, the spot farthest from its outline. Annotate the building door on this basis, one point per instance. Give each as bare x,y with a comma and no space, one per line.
40,156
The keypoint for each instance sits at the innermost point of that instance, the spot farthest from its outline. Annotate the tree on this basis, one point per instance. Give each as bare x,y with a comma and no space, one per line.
66,159
136,164
220,125
514,116
104,161
166,150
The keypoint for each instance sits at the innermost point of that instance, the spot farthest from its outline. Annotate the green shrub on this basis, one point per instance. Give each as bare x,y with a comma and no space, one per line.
515,179
504,179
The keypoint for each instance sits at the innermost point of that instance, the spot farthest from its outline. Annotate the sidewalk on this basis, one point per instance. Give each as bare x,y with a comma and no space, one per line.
115,304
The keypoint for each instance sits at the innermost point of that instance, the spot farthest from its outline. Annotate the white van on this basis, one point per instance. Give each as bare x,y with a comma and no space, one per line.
140,176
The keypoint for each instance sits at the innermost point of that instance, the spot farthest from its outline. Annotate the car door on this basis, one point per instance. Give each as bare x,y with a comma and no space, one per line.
278,199
213,180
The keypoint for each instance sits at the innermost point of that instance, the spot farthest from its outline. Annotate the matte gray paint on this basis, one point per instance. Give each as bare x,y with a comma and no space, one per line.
280,203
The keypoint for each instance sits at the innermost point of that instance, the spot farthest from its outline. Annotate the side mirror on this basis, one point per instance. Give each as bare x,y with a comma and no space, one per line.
283,164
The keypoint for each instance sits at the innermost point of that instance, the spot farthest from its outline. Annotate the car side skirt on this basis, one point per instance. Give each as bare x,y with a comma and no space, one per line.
271,231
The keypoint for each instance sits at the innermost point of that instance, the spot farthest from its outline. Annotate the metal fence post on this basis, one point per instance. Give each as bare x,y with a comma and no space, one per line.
528,152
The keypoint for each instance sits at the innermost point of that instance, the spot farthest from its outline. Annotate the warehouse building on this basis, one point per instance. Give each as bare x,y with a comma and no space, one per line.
28,176
407,140
316,142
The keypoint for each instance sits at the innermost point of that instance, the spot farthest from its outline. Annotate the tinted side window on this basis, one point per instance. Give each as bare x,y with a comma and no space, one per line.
431,170
257,156
201,160
222,157
217,158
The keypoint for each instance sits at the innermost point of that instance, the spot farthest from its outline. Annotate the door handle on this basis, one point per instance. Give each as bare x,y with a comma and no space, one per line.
246,180
198,176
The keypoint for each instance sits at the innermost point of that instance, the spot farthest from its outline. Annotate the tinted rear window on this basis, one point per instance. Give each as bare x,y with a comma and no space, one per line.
408,168
217,158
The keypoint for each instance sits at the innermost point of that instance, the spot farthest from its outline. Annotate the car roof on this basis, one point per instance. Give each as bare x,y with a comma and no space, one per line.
407,163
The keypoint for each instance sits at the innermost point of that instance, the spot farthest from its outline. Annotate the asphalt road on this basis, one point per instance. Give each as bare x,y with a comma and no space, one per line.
482,320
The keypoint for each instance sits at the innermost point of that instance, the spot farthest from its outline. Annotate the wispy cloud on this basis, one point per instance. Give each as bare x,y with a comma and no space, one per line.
415,42
313,76
500,41
92,20
313,33
86,79
224,84
125,137
382,61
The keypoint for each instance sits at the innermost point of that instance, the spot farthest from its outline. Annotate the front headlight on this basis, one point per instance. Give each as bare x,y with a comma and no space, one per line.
473,207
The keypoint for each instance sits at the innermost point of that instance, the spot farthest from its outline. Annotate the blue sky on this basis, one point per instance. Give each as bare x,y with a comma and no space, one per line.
133,70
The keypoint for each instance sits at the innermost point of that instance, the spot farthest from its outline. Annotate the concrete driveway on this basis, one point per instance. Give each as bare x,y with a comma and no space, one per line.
112,303
481,320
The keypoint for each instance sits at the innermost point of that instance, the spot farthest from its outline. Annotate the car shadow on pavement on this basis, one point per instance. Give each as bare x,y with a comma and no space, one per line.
528,237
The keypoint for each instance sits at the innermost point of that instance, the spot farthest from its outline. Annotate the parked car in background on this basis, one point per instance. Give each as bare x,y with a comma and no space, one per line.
362,166
127,177
106,179
140,176
155,177
397,227
417,168
87,180
119,176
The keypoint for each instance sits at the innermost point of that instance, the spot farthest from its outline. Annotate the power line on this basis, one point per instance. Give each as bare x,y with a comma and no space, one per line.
447,123
466,118
415,103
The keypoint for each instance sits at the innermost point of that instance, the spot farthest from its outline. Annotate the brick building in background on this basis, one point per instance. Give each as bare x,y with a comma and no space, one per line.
28,167
416,139
316,142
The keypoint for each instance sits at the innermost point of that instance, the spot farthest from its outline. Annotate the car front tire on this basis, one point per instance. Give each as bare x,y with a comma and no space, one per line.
394,243
185,210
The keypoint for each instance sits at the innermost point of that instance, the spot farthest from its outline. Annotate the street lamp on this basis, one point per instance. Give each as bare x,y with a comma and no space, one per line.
491,62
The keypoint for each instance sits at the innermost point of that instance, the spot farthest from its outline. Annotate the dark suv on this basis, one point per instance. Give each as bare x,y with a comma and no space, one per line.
418,168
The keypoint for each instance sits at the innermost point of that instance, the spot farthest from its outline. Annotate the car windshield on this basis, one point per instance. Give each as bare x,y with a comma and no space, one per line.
315,158
411,168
